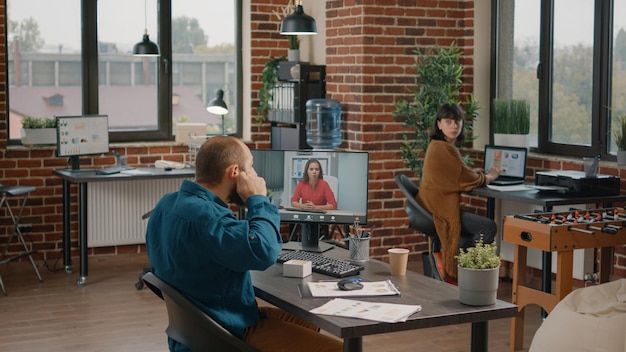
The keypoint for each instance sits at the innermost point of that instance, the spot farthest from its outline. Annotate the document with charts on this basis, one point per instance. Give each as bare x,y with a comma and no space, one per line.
377,311
375,288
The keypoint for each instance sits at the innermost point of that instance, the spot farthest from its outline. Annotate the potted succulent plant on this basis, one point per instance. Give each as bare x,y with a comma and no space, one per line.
293,54
38,130
511,122
620,140
478,271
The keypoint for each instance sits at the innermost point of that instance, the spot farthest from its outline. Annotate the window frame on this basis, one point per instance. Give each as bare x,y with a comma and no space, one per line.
601,80
90,76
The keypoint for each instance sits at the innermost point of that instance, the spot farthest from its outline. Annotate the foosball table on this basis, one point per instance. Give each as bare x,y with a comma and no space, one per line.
561,233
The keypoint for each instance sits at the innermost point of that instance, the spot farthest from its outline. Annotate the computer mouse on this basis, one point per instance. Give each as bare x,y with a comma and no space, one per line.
349,285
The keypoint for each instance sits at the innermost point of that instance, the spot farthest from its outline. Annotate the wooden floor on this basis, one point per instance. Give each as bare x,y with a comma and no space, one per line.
110,314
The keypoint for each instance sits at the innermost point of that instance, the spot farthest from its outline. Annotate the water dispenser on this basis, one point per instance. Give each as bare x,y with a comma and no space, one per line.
323,123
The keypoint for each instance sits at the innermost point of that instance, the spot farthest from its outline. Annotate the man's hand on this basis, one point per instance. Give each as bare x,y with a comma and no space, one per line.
249,184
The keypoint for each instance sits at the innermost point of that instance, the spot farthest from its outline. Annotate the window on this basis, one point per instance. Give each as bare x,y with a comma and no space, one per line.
94,71
564,57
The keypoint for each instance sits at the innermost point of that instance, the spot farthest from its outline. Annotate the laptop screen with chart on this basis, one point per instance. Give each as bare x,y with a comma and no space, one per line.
512,162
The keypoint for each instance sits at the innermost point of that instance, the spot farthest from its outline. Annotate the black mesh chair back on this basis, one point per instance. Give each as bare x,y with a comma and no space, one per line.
420,219
189,325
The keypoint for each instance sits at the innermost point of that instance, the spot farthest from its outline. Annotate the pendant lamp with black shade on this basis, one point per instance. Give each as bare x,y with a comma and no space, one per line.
298,23
217,106
146,47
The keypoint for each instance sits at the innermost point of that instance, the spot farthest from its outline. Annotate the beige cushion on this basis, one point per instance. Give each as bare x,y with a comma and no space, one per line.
588,319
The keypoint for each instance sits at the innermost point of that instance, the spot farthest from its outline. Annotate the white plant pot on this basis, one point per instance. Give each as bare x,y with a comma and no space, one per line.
293,55
478,287
39,136
511,140
621,157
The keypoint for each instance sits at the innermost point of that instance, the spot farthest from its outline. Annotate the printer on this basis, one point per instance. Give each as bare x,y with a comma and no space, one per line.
576,183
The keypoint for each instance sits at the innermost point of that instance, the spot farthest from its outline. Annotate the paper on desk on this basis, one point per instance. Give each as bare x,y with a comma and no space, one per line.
135,172
330,289
510,188
377,311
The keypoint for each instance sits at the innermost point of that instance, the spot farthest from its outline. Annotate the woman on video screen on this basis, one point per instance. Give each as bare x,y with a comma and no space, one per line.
312,192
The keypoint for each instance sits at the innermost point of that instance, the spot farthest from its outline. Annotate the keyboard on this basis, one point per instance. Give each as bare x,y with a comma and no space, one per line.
321,264
113,169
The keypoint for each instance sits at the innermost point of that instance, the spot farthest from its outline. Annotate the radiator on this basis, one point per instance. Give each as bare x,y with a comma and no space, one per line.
115,209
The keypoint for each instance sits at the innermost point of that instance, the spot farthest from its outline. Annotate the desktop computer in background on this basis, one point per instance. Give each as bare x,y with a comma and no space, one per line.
82,135
347,175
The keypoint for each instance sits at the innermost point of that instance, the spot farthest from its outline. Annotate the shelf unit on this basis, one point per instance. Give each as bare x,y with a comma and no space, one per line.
288,114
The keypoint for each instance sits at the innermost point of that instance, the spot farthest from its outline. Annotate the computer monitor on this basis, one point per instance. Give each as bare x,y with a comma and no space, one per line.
82,135
346,172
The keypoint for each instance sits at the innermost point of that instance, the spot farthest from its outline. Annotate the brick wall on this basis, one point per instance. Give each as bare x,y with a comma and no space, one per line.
369,50
369,54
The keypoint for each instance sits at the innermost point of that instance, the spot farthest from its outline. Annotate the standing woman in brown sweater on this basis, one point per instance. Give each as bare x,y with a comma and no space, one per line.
444,177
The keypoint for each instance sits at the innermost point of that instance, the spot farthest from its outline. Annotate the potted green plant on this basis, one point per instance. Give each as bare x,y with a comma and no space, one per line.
620,140
478,271
269,77
293,54
511,122
438,82
38,130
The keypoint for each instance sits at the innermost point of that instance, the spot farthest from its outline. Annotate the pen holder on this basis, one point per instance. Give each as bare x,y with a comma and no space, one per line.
359,249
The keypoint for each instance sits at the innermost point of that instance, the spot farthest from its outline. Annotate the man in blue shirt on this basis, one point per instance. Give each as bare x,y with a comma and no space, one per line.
196,244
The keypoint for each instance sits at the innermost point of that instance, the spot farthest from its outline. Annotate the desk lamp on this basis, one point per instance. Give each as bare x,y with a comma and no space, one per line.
217,106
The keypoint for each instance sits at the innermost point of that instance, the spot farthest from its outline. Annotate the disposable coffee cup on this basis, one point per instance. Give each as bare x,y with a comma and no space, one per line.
398,258
359,249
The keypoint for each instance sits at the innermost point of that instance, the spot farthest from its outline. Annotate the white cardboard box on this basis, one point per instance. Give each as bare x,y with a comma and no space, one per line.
297,268
185,129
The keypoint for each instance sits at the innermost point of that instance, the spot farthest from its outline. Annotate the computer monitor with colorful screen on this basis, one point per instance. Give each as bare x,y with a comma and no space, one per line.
82,135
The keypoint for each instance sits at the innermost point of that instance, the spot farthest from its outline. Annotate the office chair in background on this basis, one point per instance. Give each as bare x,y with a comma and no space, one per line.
189,325
5,193
420,219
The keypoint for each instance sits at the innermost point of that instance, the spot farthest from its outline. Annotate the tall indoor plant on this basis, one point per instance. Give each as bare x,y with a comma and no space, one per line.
438,81
478,271
511,122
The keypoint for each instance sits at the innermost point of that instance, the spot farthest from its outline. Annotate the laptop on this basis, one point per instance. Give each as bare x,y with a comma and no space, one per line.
512,162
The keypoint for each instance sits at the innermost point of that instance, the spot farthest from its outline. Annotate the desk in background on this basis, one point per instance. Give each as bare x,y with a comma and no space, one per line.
439,301
82,178
548,200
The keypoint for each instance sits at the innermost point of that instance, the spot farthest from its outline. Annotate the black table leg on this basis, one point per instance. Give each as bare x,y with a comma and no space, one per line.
67,255
82,201
546,270
480,336
353,344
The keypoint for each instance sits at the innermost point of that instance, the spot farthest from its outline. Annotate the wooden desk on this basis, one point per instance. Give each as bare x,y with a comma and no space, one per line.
439,301
82,177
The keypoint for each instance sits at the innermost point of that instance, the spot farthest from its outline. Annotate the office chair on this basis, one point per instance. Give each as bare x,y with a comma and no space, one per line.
5,193
189,325
420,219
